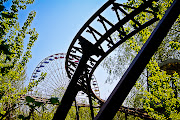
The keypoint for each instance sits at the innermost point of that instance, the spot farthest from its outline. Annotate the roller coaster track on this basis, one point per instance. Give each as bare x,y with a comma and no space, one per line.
91,45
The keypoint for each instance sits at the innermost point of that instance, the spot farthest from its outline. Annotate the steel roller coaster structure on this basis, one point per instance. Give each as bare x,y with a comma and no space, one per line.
92,44
90,52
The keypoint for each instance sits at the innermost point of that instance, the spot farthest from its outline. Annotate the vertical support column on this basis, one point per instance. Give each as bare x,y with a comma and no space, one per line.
77,110
71,92
89,93
126,116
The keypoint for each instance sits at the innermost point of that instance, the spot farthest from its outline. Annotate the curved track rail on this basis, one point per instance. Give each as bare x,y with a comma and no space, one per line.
102,40
91,45
97,42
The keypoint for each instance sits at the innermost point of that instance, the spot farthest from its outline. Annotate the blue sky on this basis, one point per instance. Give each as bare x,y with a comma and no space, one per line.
57,22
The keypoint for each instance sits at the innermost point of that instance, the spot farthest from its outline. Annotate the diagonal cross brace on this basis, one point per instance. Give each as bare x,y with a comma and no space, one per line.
115,100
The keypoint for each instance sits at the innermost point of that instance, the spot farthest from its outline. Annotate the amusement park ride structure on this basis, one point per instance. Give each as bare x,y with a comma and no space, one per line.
90,52
92,44
55,81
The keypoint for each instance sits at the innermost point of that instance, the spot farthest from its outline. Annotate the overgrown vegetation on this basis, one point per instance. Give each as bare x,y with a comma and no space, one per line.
160,97
14,55
159,91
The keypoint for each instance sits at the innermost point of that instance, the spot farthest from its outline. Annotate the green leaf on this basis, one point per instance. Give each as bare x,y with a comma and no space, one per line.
32,106
29,99
21,117
9,15
54,100
1,94
38,104
1,7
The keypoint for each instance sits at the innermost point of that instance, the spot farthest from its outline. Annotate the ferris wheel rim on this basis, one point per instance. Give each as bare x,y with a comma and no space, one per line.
95,92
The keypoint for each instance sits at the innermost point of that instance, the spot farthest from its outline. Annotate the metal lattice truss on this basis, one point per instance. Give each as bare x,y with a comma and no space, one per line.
94,42
97,42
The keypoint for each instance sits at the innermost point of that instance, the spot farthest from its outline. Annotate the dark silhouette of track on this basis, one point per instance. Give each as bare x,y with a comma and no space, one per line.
92,44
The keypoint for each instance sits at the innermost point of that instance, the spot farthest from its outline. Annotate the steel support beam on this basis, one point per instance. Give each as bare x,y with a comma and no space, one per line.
89,94
77,110
88,50
71,92
130,77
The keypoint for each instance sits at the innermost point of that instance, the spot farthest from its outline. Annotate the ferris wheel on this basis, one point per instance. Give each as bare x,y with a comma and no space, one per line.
56,80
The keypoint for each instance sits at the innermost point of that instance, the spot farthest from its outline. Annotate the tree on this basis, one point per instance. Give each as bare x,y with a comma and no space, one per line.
13,55
159,96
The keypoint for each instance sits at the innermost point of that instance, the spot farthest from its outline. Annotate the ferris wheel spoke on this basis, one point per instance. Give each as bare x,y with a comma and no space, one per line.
47,86
56,80
49,76
52,73
57,73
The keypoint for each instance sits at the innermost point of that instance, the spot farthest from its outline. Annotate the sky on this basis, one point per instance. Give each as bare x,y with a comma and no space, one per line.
57,22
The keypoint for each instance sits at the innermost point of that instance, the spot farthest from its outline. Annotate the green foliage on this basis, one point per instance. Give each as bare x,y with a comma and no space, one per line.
30,99
14,56
84,112
122,116
33,105
161,97
162,101
54,100
174,45
35,82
